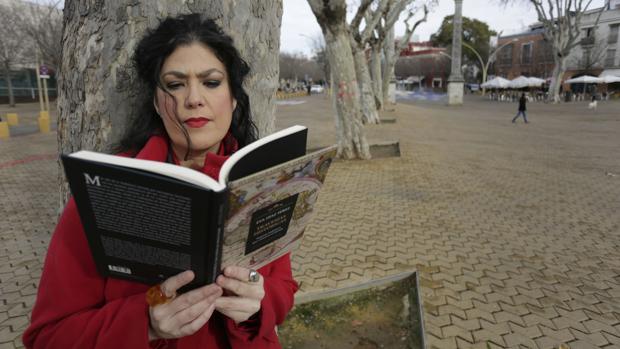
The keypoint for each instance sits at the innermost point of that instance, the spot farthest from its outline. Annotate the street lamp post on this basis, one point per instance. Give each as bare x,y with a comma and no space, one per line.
456,81
485,66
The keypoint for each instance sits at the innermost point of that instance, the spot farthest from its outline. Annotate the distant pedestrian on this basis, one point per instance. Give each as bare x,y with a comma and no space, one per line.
522,109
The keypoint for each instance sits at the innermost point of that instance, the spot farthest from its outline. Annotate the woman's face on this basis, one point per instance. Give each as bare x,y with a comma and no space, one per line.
204,104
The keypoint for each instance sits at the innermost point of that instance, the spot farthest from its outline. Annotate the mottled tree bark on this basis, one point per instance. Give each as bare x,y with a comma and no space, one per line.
367,96
376,74
388,66
359,41
98,90
381,66
556,78
331,15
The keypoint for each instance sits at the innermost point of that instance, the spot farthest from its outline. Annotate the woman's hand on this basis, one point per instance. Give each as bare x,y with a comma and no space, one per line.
241,298
185,314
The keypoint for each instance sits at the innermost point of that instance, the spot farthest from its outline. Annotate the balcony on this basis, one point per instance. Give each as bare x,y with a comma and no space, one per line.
587,41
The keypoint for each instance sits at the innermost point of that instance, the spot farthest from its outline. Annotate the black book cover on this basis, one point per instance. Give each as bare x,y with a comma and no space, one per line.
146,227
146,221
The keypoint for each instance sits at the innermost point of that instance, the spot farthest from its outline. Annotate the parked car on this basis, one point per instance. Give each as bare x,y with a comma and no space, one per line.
473,87
316,89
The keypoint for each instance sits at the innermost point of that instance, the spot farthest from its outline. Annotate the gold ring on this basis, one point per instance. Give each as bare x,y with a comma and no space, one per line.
254,276
155,296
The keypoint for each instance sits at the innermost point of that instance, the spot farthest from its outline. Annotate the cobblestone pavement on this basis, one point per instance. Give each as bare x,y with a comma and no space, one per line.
514,229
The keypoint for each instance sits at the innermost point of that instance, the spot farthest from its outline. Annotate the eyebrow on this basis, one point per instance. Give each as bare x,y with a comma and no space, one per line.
200,75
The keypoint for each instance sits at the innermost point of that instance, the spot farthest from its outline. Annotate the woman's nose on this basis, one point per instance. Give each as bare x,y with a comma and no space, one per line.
194,98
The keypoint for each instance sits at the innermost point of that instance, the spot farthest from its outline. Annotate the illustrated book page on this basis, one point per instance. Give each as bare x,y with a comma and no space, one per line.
268,212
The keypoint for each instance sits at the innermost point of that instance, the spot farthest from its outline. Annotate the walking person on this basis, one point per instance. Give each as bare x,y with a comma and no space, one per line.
522,109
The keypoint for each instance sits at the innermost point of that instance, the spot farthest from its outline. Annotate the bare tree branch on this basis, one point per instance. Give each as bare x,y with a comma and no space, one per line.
14,47
390,16
372,21
359,15
395,12
42,24
410,30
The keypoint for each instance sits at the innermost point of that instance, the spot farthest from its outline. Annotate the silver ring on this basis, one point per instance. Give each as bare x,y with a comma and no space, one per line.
254,276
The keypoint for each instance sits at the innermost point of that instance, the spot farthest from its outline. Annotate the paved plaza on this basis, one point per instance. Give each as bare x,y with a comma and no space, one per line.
513,228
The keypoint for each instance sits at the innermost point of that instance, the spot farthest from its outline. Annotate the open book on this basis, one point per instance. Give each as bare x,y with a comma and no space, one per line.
146,221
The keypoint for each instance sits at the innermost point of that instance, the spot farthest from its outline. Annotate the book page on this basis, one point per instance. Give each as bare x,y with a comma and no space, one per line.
161,168
269,211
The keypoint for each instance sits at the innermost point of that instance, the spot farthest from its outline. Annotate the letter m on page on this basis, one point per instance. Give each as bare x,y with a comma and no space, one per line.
92,181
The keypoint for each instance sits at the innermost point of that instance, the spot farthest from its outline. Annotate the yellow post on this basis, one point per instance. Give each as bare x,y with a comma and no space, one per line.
44,122
12,119
4,130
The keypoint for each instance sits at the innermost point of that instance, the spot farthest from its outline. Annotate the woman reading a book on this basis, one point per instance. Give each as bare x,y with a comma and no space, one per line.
196,114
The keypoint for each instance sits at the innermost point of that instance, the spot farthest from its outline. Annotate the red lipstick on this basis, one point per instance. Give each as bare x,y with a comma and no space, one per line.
196,122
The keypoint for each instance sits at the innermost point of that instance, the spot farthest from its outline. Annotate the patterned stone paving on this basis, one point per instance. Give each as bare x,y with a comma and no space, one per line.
514,229
28,207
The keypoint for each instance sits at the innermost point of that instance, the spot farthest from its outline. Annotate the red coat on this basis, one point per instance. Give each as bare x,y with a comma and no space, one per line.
77,308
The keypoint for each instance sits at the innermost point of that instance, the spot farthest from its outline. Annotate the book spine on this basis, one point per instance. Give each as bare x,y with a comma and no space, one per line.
221,205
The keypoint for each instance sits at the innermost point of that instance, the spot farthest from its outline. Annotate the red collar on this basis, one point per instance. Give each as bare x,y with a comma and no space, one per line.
156,149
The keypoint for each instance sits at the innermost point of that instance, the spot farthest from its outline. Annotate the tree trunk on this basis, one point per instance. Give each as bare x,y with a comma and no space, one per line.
98,90
9,85
375,72
331,16
255,27
351,137
556,78
388,66
367,96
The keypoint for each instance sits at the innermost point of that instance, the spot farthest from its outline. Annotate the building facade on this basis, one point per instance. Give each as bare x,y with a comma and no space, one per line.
421,65
527,53
598,51
530,54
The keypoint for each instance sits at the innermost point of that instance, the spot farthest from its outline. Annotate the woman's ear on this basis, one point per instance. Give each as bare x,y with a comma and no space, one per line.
155,105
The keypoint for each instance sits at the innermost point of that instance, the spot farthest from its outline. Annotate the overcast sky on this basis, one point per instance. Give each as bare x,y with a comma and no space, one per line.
299,23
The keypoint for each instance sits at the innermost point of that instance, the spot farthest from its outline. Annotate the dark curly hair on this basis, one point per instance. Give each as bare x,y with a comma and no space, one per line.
149,57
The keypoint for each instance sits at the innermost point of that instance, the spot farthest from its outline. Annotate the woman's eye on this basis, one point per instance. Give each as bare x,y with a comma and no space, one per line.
212,83
173,85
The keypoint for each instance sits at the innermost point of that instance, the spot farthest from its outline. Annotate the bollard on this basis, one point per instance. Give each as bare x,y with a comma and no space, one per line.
12,119
4,130
44,114
44,123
